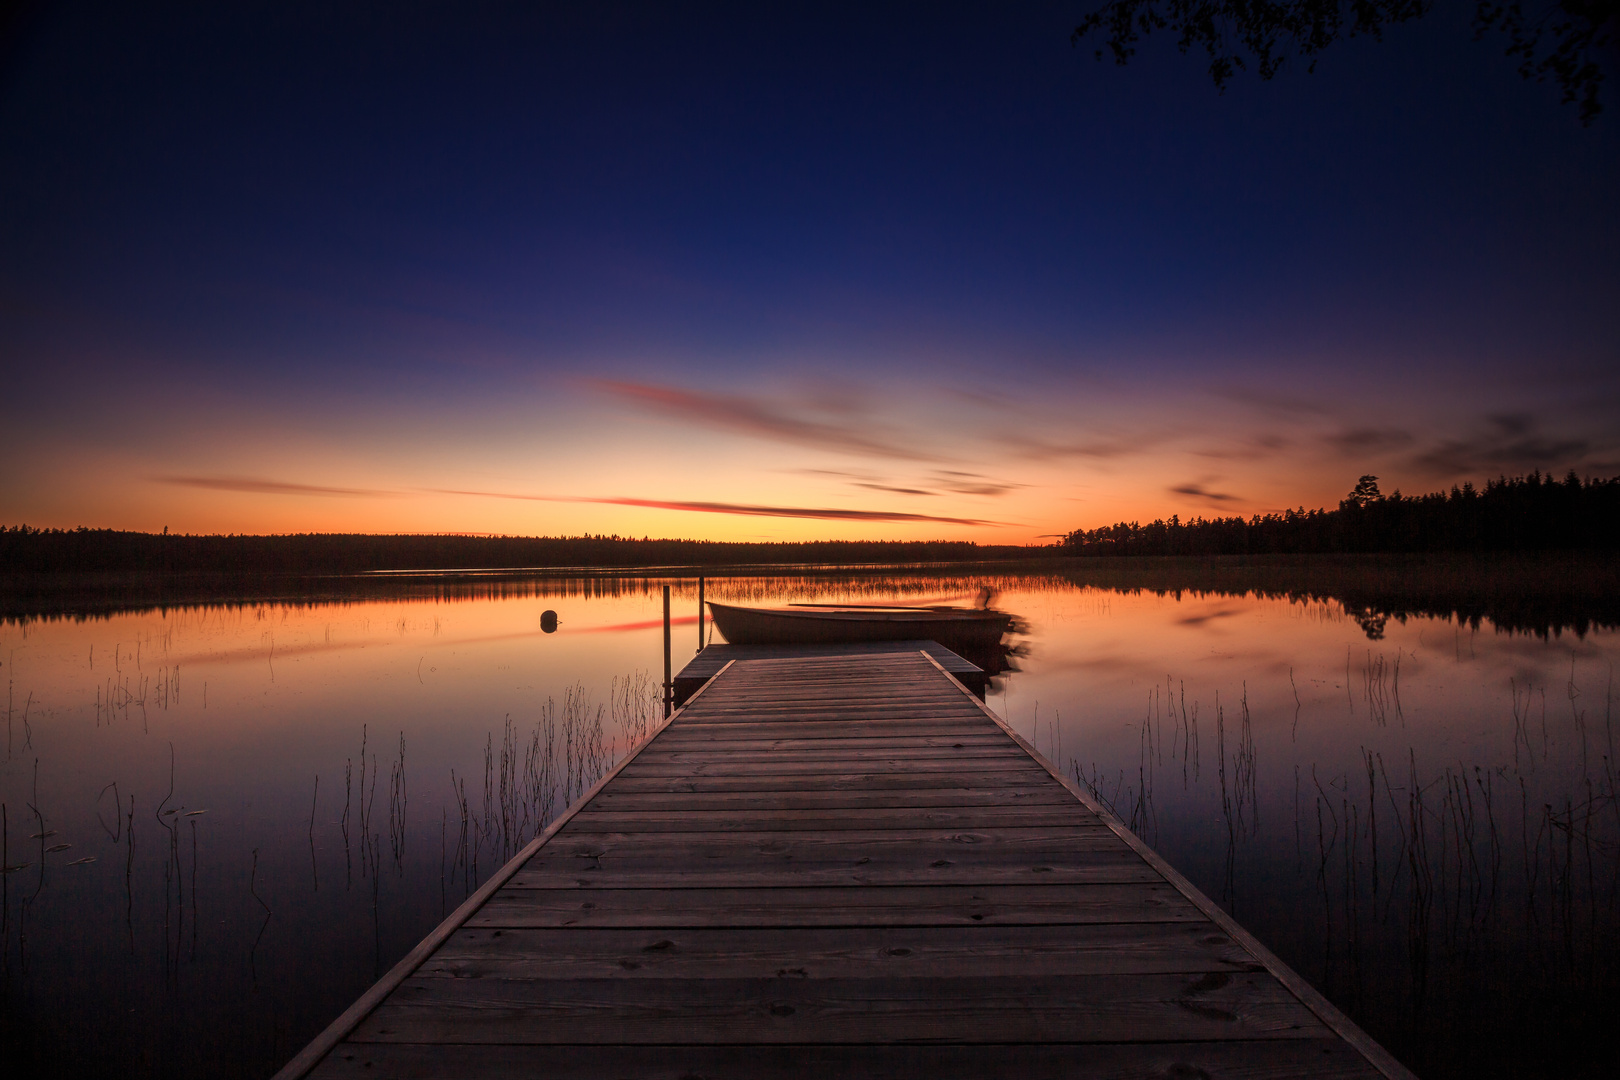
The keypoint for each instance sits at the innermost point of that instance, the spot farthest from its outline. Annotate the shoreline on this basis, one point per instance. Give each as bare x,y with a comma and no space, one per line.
1531,592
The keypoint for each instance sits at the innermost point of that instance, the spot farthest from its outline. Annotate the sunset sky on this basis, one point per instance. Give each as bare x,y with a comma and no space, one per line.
776,272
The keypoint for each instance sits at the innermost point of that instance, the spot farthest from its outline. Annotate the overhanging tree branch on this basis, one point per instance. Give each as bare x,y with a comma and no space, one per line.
1566,41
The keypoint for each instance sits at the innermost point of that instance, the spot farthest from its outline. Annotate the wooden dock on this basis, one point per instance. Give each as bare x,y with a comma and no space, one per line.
711,658
839,866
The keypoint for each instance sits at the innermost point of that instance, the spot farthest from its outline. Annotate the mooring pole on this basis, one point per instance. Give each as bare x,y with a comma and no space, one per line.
669,683
700,614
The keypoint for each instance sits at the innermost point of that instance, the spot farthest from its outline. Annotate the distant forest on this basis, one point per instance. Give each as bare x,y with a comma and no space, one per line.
24,549
1523,513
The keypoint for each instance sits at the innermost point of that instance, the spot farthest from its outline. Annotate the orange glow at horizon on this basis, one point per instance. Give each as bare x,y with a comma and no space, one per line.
765,465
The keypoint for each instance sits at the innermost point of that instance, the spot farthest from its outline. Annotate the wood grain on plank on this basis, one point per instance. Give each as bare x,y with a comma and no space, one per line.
1114,866
844,952
964,752
871,763
1271,1059
1099,1008
680,821
840,729
1088,833
852,730
870,905
843,718
877,743
846,781
802,712
693,802
792,700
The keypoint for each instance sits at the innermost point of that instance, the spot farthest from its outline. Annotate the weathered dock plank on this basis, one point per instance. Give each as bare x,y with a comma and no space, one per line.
862,905
843,952
1023,1008
710,660
839,865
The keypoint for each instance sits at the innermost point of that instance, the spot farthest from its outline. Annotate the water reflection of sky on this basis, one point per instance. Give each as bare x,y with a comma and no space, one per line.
1248,739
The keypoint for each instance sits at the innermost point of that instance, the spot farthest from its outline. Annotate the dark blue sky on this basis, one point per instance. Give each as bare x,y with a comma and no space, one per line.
275,267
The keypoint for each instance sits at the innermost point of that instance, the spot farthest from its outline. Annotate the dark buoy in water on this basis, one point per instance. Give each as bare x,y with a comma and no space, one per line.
548,621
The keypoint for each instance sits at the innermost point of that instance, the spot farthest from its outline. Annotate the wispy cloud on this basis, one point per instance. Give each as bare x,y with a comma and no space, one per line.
765,419
890,488
742,509
939,482
1280,406
967,483
1510,442
257,486
1199,491
1031,448
1369,440
827,514
1255,449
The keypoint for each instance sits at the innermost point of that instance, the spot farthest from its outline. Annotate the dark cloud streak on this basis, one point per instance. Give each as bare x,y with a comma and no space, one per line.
895,490
1281,406
1198,491
966,483
1369,440
256,486
743,509
1510,443
952,481
1256,449
1033,449
750,416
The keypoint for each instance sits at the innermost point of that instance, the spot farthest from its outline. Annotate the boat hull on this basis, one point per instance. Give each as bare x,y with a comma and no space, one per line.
957,630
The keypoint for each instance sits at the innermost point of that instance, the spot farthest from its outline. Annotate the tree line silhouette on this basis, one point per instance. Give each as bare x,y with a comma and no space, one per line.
1523,513
86,550
1526,513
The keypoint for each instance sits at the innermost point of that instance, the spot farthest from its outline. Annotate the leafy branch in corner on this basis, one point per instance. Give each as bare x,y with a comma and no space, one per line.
1563,41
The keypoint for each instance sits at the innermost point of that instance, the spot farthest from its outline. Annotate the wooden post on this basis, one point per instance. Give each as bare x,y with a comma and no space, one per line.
669,682
700,614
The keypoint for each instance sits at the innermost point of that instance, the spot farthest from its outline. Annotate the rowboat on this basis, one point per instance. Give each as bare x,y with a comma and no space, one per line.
961,630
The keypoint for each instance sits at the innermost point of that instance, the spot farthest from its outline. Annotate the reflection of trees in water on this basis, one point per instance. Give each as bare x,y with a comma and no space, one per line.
1372,622
1542,595
96,599
1468,913
1548,594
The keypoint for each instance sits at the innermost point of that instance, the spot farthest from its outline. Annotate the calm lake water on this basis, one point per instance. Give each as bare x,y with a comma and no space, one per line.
225,818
